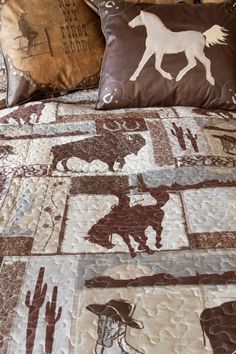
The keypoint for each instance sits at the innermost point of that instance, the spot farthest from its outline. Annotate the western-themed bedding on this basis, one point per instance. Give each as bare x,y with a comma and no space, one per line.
117,229
162,55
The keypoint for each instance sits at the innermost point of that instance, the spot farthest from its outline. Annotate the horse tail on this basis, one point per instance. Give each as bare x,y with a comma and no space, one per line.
215,35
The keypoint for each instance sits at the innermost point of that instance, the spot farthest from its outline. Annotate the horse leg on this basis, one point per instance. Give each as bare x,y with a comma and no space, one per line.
146,56
121,162
64,164
207,63
158,228
131,249
111,166
141,239
54,163
191,64
165,74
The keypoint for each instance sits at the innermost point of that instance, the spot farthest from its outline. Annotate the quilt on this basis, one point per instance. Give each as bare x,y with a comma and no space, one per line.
117,229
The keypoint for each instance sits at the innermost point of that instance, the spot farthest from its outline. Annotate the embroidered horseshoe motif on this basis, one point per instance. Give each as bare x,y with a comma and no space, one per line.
110,4
108,98
131,129
118,125
121,125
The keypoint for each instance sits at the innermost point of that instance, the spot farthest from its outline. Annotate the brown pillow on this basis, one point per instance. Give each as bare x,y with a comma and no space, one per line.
94,4
154,57
50,47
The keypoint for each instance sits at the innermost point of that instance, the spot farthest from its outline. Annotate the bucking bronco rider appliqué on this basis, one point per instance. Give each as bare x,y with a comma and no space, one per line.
160,40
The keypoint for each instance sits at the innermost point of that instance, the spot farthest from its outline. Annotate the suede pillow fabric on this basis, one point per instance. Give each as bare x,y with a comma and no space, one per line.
50,47
155,57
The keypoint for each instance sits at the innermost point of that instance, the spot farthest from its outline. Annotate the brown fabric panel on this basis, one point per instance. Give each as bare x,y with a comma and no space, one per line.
17,246
11,279
225,239
161,279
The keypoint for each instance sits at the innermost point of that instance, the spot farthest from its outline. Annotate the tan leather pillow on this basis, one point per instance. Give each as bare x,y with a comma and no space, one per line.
50,47
154,57
94,4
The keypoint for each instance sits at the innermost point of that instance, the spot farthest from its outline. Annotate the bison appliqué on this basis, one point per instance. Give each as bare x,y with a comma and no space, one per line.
109,148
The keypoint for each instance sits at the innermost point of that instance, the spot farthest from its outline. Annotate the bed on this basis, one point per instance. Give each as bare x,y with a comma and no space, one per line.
129,212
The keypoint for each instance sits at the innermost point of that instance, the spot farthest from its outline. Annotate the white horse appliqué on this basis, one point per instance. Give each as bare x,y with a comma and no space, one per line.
160,40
